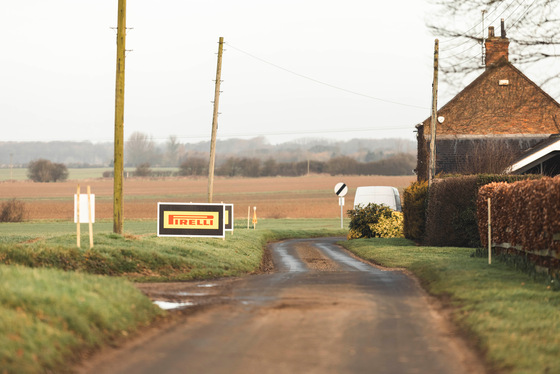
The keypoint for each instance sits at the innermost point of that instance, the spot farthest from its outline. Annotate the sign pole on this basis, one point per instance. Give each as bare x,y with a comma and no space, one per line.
341,202
89,217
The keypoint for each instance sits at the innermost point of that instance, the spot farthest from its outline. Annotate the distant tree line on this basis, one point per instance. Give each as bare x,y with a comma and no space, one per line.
400,164
140,148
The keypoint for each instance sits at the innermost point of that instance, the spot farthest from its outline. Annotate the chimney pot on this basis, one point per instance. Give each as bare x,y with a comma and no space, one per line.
497,48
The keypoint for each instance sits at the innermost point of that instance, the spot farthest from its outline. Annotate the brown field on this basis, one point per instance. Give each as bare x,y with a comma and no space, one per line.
278,197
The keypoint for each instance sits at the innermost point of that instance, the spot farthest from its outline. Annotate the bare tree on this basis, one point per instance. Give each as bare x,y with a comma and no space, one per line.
533,28
174,151
140,149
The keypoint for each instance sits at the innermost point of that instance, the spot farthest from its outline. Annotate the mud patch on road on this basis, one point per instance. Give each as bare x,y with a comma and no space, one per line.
314,259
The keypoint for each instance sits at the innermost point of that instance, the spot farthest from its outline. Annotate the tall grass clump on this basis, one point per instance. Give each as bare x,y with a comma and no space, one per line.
13,211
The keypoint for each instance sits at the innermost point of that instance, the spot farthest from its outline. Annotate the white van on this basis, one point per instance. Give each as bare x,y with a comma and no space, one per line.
382,195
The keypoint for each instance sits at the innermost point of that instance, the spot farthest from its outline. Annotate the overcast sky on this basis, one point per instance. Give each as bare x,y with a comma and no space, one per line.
291,69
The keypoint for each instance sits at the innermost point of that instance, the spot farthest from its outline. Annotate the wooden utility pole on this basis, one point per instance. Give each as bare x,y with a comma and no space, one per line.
215,122
432,172
119,122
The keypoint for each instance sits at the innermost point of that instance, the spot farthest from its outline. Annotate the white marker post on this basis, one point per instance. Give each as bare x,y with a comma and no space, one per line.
84,212
341,189
489,232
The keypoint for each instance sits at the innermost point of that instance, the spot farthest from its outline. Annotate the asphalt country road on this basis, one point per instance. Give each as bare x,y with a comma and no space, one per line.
320,311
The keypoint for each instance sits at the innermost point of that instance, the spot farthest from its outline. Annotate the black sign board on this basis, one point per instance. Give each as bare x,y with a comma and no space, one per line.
182,219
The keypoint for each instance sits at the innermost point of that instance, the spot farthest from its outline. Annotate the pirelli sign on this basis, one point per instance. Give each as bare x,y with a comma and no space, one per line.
181,219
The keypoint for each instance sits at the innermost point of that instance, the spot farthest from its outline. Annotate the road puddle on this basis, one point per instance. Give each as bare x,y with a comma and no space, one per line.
167,305
192,294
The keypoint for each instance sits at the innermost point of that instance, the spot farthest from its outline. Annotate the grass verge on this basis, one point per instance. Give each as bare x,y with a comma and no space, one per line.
56,300
47,316
513,319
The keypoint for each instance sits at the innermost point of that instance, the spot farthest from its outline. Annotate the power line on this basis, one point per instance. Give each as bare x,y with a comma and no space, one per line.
324,83
472,28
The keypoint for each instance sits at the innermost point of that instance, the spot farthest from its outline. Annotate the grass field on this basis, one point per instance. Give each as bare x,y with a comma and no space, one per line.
278,197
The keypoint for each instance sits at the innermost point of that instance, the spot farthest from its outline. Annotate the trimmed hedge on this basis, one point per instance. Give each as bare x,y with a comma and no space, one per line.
451,216
415,203
525,219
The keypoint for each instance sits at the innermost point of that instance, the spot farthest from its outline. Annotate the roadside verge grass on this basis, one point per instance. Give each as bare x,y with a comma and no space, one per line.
57,300
48,315
512,318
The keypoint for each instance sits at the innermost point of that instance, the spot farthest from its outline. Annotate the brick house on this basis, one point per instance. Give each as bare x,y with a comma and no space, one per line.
497,117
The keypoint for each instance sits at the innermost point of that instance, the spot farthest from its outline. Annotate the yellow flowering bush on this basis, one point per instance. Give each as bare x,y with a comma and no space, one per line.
389,227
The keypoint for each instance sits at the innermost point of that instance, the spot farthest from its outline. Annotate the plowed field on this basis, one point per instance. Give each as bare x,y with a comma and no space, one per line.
278,197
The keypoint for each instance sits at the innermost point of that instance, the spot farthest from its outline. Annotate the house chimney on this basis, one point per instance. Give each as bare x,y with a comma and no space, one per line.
497,48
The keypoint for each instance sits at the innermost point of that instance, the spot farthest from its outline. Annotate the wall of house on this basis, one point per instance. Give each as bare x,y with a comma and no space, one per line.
472,155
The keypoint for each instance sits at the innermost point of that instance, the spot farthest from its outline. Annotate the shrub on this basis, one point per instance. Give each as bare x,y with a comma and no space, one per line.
451,214
415,203
143,170
389,227
45,171
13,211
194,166
373,221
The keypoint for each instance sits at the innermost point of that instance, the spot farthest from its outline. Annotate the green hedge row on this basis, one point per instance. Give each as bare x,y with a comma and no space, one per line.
450,217
415,203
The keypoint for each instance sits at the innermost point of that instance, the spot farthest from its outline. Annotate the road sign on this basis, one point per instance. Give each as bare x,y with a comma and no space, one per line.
341,189
180,219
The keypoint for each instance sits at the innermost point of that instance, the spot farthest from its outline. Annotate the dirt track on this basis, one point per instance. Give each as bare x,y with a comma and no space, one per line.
322,311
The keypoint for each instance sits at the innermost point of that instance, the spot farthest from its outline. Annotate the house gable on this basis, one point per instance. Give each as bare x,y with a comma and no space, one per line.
501,101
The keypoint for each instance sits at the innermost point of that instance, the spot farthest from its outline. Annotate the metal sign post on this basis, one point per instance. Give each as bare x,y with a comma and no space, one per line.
341,189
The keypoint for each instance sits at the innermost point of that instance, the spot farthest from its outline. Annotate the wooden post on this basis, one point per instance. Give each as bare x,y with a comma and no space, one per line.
78,216
489,232
255,218
89,217
119,122
248,216
432,171
215,122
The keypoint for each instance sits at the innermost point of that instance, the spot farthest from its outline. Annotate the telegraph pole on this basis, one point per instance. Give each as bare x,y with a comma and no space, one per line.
432,172
119,122
215,122
483,63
